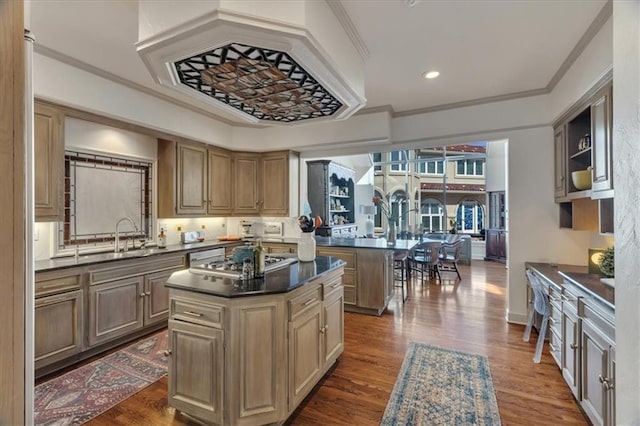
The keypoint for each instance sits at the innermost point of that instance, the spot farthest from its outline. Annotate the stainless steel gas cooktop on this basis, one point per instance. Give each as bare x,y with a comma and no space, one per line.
228,268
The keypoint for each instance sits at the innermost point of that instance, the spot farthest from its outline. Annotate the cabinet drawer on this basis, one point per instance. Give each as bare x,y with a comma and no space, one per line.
198,313
555,294
555,318
350,295
56,282
605,326
306,301
570,299
130,268
555,346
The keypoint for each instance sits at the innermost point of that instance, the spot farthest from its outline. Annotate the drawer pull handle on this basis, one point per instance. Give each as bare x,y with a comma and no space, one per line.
193,314
573,346
336,285
167,352
308,302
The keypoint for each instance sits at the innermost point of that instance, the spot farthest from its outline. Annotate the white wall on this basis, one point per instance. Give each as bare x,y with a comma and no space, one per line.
626,139
496,166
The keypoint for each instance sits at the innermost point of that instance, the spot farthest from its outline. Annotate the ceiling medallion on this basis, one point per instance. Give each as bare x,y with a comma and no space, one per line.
267,84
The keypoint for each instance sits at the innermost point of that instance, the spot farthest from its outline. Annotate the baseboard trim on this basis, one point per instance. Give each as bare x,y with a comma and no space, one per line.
515,318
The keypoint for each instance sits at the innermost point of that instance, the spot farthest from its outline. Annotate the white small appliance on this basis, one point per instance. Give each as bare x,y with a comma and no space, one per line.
245,228
272,229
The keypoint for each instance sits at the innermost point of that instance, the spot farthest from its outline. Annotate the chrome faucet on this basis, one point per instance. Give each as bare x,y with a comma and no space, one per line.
117,241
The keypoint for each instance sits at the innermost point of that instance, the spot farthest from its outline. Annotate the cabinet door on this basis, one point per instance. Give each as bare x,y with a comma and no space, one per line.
601,141
570,350
156,300
595,362
611,389
191,172
196,370
115,309
560,161
305,354
275,184
58,327
245,184
219,182
48,139
333,314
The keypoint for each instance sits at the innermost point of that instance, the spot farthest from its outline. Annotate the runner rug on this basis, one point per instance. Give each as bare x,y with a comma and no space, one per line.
81,394
439,386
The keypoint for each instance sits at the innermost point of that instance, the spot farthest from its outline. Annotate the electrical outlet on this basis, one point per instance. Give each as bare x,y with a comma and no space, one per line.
203,226
179,228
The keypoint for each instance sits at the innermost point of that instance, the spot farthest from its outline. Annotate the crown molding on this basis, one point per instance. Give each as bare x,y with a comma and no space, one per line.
597,24
473,102
350,28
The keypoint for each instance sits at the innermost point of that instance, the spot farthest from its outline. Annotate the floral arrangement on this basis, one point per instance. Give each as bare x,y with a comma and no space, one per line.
383,206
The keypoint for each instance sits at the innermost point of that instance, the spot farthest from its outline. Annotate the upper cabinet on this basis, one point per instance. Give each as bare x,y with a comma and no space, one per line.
48,163
582,146
261,183
220,174
274,184
182,179
601,125
197,180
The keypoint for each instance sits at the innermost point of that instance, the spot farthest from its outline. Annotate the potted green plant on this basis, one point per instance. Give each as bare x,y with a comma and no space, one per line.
607,262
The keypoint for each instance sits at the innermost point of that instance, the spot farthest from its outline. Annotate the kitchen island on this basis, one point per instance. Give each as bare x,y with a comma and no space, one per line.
248,352
368,273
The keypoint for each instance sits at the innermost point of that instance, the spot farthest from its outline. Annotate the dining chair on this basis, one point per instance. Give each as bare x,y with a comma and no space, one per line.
449,257
400,264
425,257
541,306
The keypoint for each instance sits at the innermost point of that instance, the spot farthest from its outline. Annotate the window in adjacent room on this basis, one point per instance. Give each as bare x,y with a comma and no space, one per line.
470,217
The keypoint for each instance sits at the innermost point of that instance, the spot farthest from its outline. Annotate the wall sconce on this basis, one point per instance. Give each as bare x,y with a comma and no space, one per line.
368,225
594,260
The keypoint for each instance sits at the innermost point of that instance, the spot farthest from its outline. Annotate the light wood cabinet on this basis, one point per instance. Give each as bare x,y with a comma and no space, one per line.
350,278
182,179
306,359
274,184
220,200
58,327
115,309
48,139
196,370
246,197
252,360
276,248
156,300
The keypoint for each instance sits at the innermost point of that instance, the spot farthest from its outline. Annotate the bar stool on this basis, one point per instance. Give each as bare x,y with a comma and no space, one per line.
400,264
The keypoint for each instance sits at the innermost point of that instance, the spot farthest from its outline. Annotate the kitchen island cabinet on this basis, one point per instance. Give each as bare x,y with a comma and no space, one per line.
248,352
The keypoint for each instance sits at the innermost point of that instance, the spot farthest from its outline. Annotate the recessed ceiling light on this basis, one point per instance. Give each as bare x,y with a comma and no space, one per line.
431,74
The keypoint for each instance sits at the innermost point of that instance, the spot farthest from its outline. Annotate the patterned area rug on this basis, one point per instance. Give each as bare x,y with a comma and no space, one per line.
90,390
439,386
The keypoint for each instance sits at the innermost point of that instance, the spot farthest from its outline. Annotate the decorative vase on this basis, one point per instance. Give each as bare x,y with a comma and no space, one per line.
391,232
307,247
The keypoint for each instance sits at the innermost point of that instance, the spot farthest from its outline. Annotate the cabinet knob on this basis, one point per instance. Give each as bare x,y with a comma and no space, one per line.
147,293
167,352
600,378
142,294
607,386
323,329
573,346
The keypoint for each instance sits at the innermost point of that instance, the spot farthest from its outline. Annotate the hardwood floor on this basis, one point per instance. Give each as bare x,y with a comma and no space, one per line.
468,316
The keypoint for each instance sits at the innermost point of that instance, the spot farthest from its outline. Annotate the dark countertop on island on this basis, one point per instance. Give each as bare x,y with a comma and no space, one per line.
366,243
578,276
281,280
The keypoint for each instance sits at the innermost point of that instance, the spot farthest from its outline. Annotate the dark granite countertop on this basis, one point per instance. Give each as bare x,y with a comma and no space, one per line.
92,259
578,276
281,280
366,243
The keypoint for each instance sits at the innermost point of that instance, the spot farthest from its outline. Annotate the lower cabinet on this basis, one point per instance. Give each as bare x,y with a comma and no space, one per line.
571,348
598,368
58,327
196,370
252,360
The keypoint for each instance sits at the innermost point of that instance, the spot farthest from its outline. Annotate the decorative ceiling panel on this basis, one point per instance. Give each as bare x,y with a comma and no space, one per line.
267,84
